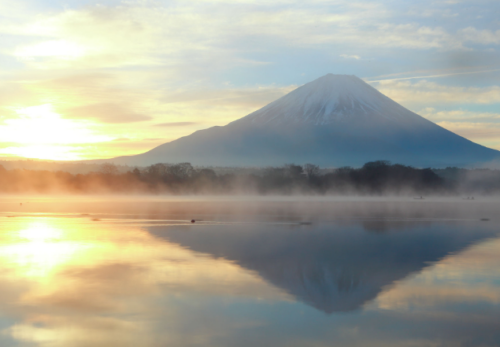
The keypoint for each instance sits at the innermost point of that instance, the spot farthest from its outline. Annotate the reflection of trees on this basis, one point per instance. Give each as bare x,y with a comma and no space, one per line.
386,225
330,268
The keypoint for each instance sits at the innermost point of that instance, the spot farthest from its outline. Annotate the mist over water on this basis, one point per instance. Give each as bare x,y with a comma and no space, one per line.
246,271
378,178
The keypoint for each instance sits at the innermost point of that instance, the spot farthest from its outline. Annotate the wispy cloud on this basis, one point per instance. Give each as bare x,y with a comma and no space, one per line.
460,116
137,33
484,37
428,93
347,56
105,113
481,127
175,124
434,76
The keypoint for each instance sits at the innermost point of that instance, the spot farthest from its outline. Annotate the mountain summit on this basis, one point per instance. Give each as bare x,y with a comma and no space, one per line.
335,120
331,99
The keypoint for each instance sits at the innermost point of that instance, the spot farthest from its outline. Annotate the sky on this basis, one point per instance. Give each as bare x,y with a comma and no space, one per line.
90,80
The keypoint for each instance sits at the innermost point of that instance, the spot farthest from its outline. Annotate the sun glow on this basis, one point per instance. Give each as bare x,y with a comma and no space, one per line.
48,152
39,132
56,48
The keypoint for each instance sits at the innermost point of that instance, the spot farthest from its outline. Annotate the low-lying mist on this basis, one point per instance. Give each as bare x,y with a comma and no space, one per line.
374,178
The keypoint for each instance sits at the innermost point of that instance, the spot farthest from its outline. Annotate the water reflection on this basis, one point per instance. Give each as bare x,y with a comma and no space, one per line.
75,282
334,268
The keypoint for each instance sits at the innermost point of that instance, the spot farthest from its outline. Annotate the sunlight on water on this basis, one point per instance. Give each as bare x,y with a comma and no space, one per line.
37,249
73,279
76,280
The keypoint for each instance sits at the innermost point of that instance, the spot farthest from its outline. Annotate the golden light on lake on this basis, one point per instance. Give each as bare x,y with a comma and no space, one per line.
101,272
36,251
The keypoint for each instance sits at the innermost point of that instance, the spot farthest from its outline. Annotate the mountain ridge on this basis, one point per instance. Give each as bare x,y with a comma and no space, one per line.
335,120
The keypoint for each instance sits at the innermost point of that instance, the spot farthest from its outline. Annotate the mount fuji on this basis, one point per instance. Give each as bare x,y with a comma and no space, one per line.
335,120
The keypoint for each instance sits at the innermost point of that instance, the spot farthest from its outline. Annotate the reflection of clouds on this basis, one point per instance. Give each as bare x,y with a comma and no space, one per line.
470,277
67,282
79,331
423,296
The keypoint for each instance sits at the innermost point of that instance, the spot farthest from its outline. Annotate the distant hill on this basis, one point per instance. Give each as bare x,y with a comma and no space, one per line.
336,120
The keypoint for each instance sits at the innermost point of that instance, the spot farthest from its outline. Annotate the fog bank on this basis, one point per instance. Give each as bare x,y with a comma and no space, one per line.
379,178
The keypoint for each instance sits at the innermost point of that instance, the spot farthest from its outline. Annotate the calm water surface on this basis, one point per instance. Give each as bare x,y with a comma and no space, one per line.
101,272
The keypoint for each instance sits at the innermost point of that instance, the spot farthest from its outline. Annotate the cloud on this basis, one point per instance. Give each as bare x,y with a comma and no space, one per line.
346,56
184,37
477,132
484,37
249,97
427,93
459,116
110,102
433,101
119,147
213,33
480,127
436,75
465,278
105,112
175,124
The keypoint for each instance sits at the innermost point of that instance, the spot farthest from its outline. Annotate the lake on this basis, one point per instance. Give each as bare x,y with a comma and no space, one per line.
287,271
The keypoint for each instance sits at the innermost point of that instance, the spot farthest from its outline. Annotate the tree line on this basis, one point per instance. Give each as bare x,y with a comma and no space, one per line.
373,178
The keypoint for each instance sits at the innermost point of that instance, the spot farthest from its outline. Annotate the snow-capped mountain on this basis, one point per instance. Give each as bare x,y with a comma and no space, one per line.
333,99
336,120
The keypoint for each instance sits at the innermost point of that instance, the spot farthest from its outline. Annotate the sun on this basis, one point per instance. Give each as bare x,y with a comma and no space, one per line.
41,133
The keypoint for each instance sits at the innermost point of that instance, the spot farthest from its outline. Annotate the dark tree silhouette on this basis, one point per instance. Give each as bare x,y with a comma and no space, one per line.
377,177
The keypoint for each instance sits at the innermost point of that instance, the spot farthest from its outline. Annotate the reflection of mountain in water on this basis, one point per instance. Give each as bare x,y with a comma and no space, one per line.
332,268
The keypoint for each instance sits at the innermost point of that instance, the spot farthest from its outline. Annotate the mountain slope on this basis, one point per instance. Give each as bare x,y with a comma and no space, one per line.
336,120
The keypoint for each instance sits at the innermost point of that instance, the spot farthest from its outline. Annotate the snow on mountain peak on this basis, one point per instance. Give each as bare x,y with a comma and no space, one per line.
330,99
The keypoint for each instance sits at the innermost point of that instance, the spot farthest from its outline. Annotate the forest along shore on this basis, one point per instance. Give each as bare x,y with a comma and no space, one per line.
373,178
